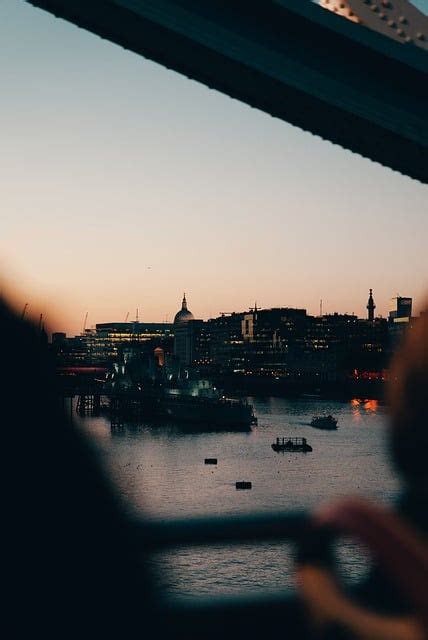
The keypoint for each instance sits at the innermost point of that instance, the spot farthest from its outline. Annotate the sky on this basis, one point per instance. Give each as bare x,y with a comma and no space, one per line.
124,184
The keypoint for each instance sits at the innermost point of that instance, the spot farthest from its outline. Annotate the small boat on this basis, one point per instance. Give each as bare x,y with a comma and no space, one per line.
324,422
291,444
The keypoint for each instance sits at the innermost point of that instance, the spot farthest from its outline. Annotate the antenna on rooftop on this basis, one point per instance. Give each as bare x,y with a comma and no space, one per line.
136,315
84,322
24,310
127,316
321,307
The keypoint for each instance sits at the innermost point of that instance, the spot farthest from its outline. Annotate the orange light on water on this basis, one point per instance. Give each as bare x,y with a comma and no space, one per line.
371,406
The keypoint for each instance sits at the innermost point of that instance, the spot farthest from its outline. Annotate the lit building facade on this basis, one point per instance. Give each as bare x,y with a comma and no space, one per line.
400,318
108,337
290,345
282,344
102,344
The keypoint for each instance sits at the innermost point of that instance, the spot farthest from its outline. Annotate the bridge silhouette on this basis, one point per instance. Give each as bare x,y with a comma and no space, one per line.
290,58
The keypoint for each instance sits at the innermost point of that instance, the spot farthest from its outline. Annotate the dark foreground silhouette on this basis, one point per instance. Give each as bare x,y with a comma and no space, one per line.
70,565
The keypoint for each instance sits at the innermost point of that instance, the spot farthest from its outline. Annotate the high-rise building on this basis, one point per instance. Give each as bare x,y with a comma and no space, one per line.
400,318
403,310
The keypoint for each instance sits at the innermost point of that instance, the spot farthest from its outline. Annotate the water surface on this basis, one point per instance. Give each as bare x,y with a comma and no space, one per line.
160,471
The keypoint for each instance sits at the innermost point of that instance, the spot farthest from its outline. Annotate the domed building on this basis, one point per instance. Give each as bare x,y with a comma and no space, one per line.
184,334
184,315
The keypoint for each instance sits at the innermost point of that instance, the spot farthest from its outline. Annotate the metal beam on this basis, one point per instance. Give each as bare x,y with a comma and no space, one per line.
289,58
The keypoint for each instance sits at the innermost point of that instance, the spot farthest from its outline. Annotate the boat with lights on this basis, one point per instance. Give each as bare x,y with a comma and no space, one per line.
199,402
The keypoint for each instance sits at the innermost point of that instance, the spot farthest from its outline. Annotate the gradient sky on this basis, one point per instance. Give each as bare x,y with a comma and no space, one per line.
123,184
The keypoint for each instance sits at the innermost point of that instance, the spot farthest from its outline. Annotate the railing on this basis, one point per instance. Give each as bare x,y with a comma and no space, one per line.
258,616
236,529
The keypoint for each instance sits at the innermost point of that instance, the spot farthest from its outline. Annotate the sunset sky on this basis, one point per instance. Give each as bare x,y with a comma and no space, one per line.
123,184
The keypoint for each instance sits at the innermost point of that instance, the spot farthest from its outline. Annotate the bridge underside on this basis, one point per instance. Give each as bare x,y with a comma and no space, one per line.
289,58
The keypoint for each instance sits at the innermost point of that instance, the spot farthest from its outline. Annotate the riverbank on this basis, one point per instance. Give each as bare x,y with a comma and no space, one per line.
265,386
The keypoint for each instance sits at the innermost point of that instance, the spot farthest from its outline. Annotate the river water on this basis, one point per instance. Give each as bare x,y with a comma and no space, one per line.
160,471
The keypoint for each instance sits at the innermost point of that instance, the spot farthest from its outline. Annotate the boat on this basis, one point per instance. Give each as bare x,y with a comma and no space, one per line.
291,444
198,402
139,389
324,422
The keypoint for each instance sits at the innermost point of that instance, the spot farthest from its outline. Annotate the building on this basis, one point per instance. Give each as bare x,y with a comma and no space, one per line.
183,315
71,351
226,343
400,318
288,345
271,336
191,339
101,345
109,336
183,334
403,310
282,344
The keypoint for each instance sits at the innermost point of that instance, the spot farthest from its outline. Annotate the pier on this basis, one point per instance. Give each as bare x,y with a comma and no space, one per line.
88,404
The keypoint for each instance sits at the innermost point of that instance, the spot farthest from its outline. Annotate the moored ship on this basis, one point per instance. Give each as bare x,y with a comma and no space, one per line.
198,402
139,387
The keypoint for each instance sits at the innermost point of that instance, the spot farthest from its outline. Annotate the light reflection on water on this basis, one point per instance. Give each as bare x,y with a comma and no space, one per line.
161,470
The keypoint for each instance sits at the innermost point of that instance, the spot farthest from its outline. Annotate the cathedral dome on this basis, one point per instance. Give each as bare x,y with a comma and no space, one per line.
184,315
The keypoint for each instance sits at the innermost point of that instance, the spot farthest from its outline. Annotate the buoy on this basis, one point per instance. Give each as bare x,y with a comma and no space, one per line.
243,485
210,460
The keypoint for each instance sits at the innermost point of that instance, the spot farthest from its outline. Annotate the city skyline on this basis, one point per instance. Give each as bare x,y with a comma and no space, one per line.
140,184
87,324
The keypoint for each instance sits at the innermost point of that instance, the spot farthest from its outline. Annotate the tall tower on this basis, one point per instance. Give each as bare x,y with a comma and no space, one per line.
370,307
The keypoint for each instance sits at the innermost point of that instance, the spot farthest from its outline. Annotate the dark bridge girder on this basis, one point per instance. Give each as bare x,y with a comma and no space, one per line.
289,58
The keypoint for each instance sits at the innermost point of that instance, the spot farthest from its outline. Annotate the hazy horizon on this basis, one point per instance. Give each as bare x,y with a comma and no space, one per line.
124,184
